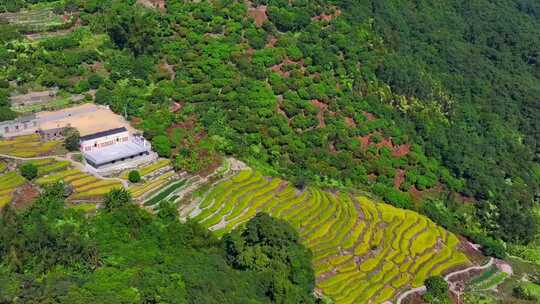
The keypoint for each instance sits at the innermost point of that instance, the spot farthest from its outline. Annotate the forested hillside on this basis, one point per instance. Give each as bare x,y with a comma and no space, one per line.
432,106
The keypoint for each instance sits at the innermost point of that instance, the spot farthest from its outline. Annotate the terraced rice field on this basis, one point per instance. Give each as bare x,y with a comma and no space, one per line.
34,20
49,165
487,280
8,184
10,181
364,252
150,186
28,146
166,192
149,169
85,186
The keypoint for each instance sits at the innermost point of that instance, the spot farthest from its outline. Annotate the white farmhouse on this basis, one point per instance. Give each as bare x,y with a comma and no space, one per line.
107,138
113,146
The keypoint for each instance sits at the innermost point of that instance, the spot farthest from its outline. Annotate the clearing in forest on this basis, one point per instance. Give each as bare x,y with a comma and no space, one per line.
364,252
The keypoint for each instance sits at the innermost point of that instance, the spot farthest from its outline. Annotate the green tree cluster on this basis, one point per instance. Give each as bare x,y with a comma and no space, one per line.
123,254
272,246
72,139
134,176
28,170
436,291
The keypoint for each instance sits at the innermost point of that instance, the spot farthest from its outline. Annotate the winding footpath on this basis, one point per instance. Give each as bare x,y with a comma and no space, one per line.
447,278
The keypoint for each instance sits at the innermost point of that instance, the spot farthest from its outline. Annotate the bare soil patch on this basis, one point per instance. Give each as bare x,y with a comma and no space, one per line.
175,107
369,116
417,195
280,111
155,4
332,148
167,70
259,14
271,42
188,124
474,254
399,178
350,122
387,142
364,140
97,66
327,17
463,198
401,150
320,115
66,18
278,68
214,165
25,195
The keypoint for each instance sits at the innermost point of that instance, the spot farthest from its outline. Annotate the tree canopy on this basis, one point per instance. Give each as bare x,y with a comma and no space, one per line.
49,253
425,104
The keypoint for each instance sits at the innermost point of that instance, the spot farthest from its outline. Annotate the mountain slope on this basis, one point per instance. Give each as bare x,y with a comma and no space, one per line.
363,251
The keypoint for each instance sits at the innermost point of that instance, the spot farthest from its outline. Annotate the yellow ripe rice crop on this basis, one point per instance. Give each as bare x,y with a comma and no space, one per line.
367,251
27,146
149,168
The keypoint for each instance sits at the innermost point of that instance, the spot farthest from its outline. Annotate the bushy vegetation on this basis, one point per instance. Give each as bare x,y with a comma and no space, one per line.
436,291
528,291
75,259
72,138
28,171
272,246
134,176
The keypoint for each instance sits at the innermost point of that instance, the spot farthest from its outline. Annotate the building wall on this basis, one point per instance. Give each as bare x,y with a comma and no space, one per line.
51,134
90,145
17,128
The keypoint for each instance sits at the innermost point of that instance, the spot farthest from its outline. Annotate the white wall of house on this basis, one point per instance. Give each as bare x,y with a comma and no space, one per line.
93,144
17,128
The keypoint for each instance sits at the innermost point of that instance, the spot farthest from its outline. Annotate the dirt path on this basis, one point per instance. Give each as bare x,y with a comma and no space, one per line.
77,165
451,286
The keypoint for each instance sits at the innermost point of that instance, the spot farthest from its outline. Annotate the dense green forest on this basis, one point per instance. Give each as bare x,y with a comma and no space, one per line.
426,104
50,254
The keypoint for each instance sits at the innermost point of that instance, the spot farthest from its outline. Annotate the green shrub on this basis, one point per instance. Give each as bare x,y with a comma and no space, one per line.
437,290
162,145
72,139
28,171
95,81
134,176
527,291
